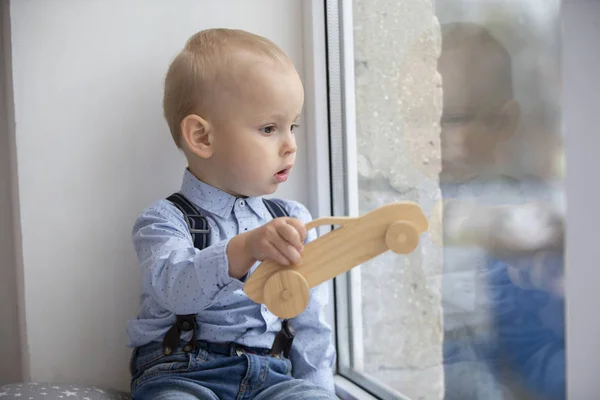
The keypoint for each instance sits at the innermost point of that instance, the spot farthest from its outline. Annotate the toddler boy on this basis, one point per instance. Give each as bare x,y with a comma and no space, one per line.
232,100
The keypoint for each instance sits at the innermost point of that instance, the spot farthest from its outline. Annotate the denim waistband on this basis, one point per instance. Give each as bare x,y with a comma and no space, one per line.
230,348
227,349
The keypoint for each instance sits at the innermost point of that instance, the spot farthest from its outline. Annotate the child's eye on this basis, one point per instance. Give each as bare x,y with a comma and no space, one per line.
268,130
294,127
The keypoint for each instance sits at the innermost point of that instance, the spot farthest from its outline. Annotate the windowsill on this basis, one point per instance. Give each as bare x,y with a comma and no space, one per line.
347,390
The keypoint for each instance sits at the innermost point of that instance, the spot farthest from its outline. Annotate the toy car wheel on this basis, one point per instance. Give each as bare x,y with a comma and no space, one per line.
286,293
402,237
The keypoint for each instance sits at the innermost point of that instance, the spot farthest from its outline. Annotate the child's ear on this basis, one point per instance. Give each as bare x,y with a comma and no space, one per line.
196,133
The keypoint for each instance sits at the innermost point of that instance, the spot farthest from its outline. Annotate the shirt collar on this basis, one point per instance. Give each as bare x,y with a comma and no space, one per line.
216,201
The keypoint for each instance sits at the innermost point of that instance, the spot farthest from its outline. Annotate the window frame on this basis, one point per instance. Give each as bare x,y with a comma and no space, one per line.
581,99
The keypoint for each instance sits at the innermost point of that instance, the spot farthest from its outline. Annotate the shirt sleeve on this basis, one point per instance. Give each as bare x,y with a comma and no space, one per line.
181,278
313,352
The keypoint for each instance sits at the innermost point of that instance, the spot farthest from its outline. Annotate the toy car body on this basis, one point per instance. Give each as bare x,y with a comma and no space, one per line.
285,289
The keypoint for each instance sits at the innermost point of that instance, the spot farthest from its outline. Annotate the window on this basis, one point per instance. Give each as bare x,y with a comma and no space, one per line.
454,105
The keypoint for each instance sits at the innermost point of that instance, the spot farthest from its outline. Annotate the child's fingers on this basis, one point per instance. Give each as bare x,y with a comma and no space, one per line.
271,252
290,234
299,226
291,254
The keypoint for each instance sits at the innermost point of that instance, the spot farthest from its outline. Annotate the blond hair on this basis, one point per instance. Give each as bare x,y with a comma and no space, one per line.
190,81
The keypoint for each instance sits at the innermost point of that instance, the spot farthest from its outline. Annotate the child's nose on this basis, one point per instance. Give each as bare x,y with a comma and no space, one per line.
288,145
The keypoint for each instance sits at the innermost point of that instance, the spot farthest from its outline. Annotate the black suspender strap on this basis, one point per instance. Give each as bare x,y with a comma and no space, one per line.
197,224
282,344
184,323
275,209
200,232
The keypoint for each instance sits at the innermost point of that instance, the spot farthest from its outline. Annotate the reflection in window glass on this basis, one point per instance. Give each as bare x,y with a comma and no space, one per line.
478,311
500,182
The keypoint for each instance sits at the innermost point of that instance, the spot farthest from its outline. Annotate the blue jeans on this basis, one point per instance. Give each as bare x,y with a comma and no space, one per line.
212,372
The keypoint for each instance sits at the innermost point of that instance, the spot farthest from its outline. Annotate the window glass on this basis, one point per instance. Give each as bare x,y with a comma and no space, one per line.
457,107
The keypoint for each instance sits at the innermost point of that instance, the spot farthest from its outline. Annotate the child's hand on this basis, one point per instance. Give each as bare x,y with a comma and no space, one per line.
281,240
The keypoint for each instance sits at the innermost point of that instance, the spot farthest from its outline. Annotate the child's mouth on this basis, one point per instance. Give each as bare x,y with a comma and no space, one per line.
282,175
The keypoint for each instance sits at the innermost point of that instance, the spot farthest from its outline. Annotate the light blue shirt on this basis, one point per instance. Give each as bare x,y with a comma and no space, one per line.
180,279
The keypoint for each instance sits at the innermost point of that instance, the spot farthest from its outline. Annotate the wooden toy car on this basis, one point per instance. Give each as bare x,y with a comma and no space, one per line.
285,289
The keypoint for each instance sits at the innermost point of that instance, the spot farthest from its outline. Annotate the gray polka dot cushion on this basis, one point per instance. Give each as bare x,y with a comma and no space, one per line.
50,391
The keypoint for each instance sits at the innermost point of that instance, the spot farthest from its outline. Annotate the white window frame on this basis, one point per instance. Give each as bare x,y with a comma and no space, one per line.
581,101
316,121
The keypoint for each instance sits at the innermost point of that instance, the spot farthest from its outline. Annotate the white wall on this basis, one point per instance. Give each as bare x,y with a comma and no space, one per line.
10,361
93,150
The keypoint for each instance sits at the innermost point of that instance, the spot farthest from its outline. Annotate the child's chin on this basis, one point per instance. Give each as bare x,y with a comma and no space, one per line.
271,189
264,191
